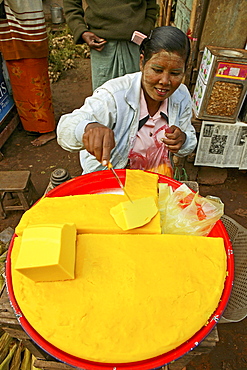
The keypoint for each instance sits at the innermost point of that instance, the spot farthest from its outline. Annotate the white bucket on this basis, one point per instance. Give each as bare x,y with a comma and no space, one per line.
56,14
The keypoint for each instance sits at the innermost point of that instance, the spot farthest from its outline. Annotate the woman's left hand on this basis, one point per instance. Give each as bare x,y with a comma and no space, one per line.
174,139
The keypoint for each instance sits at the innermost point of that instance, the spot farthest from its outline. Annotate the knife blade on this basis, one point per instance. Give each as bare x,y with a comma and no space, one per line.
110,167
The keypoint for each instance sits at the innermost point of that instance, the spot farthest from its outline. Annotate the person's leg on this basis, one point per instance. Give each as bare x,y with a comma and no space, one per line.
116,59
44,138
32,94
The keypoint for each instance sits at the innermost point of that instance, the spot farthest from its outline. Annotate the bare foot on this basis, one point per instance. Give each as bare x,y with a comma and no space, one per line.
44,138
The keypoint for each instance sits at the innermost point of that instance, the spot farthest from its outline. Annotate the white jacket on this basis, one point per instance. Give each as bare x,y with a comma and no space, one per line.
116,104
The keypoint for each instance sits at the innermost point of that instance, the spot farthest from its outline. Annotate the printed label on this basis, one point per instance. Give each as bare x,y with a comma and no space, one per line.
232,70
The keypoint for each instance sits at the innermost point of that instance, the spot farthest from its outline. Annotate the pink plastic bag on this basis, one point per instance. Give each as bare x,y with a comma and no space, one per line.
156,159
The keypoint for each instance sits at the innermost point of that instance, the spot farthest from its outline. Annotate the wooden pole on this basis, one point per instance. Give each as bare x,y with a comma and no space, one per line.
196,20
193,16
168,13
161,12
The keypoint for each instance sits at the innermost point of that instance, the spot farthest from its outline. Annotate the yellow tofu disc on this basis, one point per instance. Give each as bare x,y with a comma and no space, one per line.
47,252
133,297
129,215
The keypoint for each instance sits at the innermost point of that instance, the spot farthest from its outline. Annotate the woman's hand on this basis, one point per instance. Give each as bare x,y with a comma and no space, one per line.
174,139
99,141
93,41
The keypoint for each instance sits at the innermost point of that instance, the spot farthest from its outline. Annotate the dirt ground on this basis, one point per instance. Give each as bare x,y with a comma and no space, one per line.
69,93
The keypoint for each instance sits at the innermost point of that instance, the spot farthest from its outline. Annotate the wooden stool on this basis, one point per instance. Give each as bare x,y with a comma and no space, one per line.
19,183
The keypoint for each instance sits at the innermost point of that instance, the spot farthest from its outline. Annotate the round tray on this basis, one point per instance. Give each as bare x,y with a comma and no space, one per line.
104,182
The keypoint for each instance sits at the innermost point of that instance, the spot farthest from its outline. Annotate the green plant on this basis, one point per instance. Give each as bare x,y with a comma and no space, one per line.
63,53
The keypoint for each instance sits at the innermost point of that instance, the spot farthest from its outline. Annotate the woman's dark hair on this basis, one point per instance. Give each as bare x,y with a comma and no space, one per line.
168,38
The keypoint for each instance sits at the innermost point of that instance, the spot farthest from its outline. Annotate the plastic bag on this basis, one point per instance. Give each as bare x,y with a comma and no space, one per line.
165,191
156,158
189,213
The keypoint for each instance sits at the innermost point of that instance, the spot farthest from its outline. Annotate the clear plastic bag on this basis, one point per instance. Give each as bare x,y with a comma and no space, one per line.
165,191
189,213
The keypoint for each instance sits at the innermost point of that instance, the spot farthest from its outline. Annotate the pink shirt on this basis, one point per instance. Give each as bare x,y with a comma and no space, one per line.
145,136
149,152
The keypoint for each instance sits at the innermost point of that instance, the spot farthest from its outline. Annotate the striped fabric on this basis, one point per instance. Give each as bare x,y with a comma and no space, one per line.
23,32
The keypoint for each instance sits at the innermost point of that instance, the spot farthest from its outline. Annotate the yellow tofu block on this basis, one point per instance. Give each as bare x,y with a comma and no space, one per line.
134,296
141,184
89,212
47,252
129,215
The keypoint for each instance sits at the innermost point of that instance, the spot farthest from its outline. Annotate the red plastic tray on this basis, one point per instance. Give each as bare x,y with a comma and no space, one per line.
103,181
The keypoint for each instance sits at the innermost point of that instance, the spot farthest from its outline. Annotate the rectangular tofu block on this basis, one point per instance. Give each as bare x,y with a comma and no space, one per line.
140,184
91,212
47,252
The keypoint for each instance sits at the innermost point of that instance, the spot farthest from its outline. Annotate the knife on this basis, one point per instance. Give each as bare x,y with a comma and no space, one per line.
109,166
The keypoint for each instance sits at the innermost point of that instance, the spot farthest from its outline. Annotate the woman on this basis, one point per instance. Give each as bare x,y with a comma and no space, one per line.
24,46
130,118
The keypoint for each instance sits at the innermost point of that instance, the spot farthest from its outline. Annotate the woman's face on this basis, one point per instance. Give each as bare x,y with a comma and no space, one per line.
161,75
